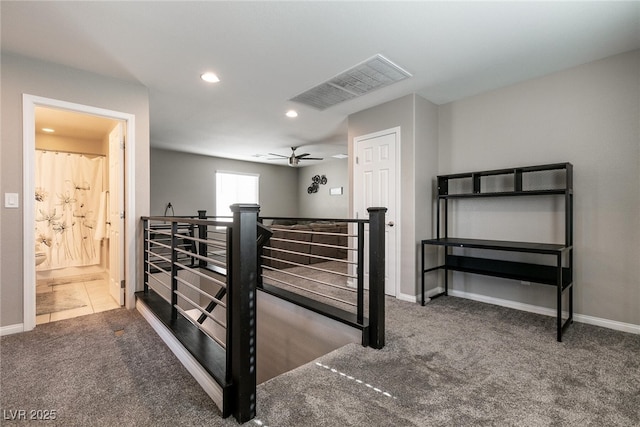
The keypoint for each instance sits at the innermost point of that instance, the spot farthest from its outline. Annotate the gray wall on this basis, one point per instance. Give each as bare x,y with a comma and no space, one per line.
22,75
187,181
425,165
402,112
322,204
590,116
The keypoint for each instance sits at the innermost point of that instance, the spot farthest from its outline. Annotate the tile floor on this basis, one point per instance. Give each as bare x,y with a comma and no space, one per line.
94,289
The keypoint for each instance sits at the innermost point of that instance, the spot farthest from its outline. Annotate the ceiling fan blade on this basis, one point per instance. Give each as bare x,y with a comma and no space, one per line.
293,158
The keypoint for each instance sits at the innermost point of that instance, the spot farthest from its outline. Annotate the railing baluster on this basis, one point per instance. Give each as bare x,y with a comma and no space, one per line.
146,244
360,273
174,270
202,234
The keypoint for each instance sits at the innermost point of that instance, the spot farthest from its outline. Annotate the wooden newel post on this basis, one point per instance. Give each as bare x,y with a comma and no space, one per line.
241,345
376,276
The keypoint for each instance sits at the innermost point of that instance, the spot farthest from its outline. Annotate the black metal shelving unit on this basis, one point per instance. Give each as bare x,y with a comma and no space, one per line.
554,180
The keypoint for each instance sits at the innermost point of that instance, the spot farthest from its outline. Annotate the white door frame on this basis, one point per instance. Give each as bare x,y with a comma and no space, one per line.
115,198
29,104
398,198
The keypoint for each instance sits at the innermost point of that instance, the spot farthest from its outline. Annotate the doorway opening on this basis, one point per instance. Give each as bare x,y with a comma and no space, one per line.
74,254
75,232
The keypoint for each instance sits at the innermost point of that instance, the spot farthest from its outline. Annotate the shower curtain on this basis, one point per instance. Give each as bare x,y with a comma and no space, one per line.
68,188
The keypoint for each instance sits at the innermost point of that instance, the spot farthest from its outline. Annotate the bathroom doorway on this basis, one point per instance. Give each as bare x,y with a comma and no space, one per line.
79,235
77,163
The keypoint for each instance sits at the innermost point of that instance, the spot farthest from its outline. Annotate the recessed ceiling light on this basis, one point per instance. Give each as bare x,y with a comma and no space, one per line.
292,113
209,77
340,156
48,130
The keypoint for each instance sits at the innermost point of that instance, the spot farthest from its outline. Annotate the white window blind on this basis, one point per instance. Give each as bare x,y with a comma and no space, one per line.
234,187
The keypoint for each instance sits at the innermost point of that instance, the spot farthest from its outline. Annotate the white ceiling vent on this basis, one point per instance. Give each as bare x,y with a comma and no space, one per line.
365,77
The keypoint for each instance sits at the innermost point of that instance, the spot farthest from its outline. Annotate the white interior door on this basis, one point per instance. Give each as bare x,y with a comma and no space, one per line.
375,175
116,214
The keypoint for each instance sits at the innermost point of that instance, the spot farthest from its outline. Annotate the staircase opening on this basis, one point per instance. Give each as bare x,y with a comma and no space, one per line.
247,302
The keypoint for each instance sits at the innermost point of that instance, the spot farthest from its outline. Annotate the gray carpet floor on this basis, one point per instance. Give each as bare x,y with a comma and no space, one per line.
454,362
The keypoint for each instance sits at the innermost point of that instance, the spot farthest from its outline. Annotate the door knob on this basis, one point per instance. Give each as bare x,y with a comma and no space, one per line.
390,223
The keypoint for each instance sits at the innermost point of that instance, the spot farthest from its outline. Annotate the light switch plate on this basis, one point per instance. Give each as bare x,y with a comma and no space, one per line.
11,200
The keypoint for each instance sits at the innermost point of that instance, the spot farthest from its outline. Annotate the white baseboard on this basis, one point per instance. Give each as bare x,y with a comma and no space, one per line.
580,318
407,297
209,385
606,323
431,292
504,303
416,298
11,329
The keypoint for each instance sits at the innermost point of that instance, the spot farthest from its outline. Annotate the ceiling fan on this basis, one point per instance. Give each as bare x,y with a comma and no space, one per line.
293,159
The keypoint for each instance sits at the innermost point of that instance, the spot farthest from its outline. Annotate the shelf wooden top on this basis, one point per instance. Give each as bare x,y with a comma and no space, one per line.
500,245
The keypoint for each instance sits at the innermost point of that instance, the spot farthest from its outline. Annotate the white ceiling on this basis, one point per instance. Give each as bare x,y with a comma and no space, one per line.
268,52
71,124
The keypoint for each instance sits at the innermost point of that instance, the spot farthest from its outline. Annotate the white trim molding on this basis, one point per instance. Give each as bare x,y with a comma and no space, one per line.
407,297
208,384
11,329
29,103
606,323
580,318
